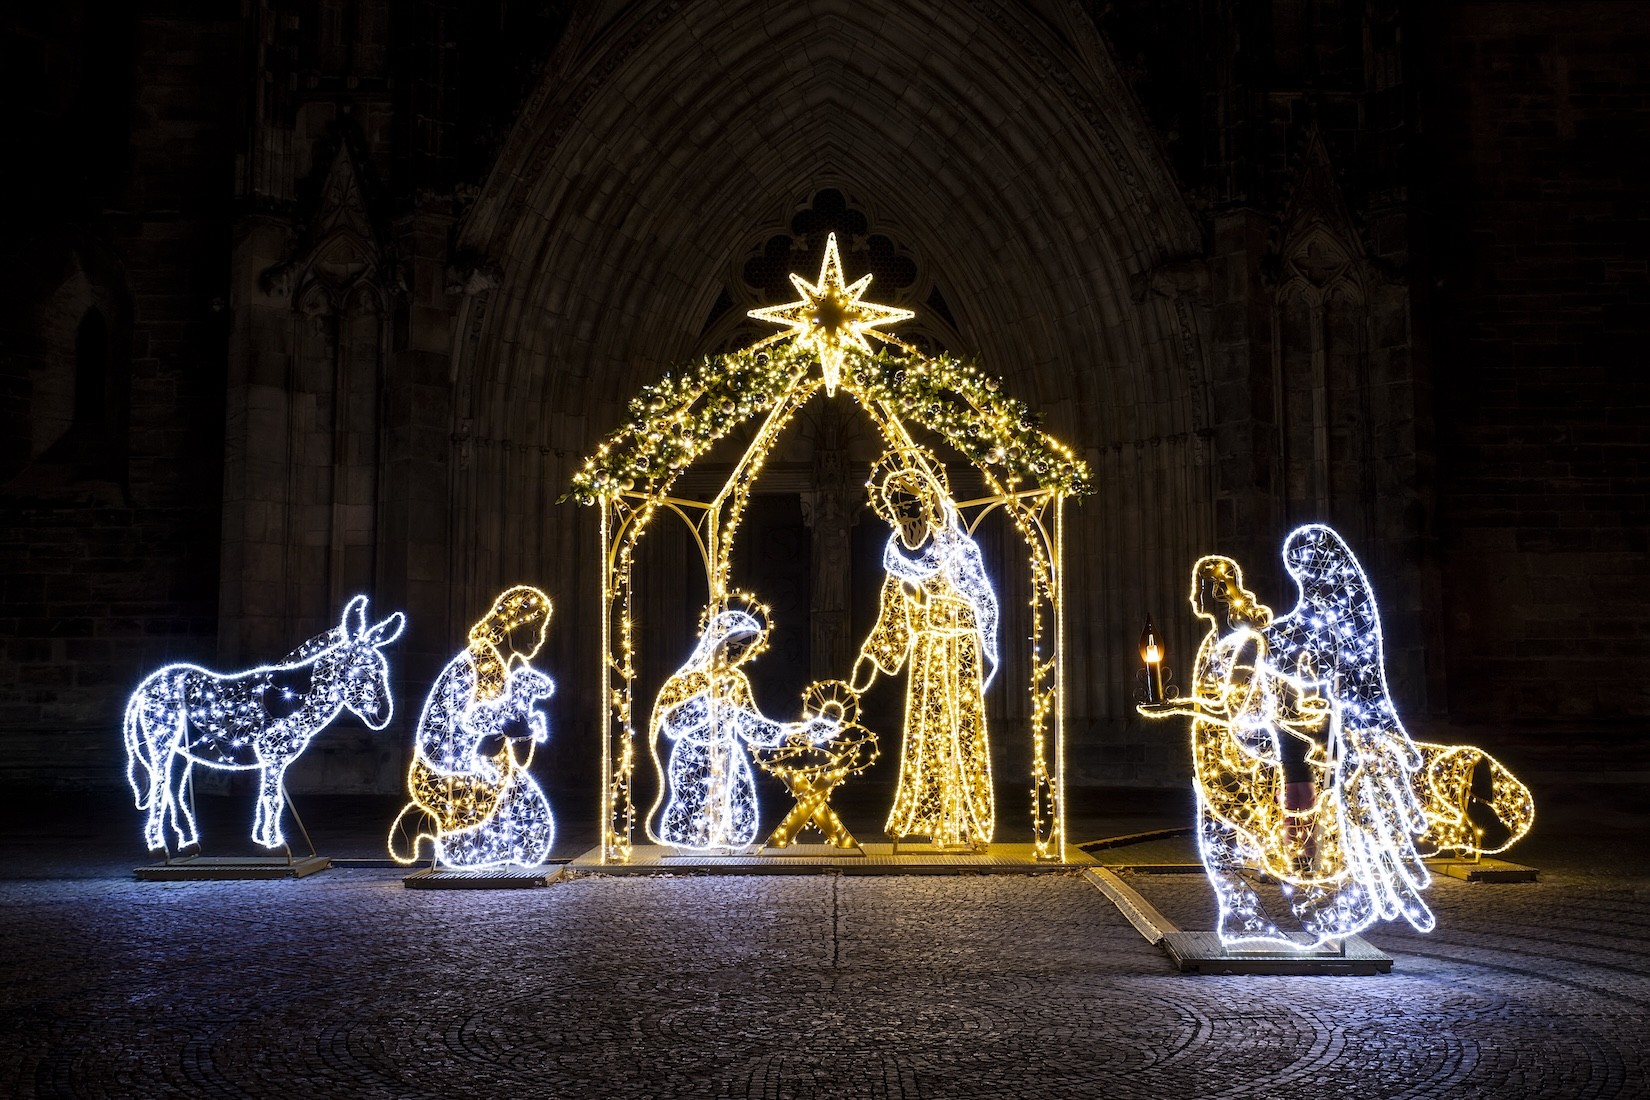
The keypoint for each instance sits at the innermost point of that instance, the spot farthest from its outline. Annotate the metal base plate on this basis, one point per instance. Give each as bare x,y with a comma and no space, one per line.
518,879
812,859
1204,953
226,868
1483,870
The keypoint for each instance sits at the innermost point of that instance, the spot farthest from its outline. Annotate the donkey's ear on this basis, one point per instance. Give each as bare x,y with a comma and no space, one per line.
354,619
381,634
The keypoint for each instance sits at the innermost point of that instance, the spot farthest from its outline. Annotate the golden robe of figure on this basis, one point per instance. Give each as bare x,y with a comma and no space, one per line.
938,619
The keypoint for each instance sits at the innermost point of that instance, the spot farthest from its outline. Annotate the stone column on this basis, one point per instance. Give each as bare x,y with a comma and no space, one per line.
830,510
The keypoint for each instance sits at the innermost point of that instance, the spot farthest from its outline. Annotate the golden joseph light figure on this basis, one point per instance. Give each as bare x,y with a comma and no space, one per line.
830,316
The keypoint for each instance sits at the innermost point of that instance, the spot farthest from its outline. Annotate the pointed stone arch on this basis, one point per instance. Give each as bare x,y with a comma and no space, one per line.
999,138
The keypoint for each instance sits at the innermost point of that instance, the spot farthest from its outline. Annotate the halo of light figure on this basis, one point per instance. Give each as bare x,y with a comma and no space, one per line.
472,796
937,617
260,720
1303,771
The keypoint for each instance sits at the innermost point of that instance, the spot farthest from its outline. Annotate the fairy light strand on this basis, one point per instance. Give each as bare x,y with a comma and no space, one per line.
473,799
260,720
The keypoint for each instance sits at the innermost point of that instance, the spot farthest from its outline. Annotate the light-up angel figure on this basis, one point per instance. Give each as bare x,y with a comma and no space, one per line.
479,807
1303,772
1256,760
707,712
260,719
1330,646
938,619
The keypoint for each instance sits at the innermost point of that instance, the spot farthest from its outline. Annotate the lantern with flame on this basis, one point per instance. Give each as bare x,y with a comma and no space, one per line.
1151,657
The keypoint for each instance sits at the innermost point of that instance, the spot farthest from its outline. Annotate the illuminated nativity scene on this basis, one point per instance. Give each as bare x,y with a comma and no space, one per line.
938,621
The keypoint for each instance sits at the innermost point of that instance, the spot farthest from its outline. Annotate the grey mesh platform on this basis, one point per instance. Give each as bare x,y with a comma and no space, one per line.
1204,953
229,868
515,879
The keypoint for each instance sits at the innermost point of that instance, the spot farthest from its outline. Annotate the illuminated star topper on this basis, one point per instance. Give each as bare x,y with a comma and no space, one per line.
830,316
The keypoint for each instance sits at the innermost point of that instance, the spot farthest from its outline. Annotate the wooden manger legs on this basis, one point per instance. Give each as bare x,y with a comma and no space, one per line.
813,808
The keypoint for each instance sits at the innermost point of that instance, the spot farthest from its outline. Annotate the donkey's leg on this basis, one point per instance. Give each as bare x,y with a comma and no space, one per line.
158,802
179,771
266,821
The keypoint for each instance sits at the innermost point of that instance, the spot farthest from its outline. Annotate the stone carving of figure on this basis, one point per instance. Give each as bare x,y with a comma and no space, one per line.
937,620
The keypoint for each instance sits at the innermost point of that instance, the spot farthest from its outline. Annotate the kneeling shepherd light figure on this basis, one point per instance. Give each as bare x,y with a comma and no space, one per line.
261,719
473,798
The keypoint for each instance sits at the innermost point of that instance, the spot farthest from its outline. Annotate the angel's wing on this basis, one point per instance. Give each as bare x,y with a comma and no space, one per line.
1381,816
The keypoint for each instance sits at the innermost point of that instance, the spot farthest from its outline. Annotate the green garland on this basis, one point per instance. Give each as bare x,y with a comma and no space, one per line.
678,418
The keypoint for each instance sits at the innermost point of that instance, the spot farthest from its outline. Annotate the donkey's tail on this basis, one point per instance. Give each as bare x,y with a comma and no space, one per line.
142,761
406,841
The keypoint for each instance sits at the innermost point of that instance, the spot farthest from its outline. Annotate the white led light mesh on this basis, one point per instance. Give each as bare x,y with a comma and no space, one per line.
937,619
473,798
1304,774
1329,647
261,719
707,714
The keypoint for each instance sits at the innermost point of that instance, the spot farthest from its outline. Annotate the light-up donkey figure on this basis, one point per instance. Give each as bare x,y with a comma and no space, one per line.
183,715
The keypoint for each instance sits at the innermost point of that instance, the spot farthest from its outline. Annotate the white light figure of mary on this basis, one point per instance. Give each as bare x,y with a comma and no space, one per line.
1330,646
938,618
707,712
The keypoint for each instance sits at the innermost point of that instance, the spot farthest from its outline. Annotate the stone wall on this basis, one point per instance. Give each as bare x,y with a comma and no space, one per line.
304,300
115,259
1538,152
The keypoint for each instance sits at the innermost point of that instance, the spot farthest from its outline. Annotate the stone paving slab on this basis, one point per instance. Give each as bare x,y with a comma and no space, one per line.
956,986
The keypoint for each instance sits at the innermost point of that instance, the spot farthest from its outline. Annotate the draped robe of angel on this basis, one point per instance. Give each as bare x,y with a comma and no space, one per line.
1330,645
938,618
1243,720
707,712
470,774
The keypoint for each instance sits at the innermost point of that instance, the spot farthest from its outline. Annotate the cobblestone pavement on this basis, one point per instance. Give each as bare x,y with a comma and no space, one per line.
347,984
